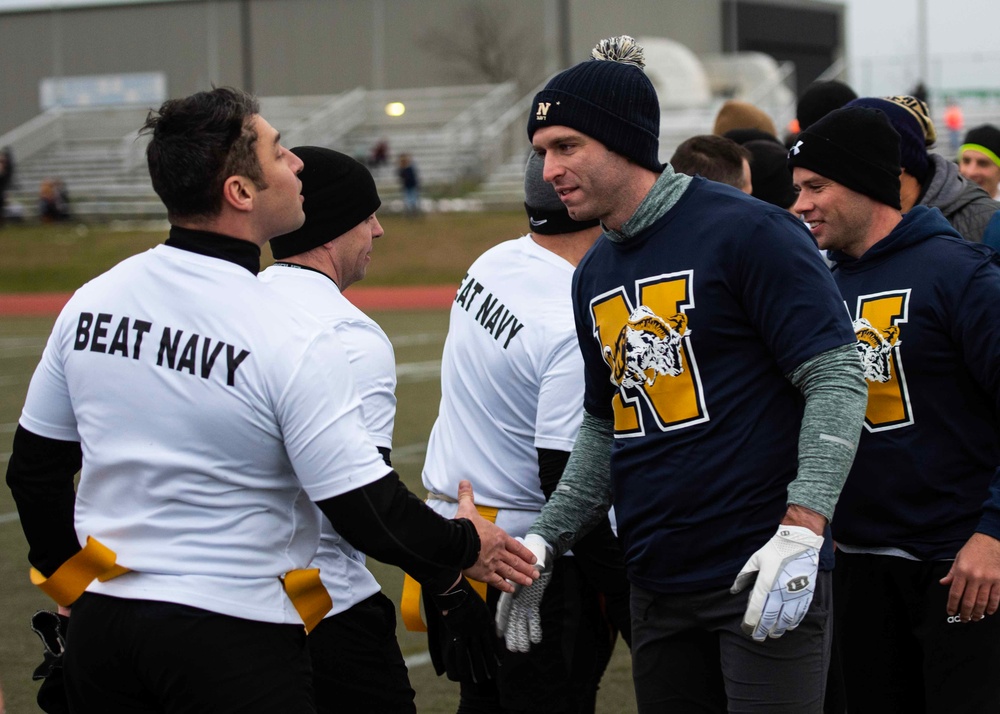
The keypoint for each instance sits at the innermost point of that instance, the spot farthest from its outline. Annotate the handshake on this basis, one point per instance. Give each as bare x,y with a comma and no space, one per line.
469,649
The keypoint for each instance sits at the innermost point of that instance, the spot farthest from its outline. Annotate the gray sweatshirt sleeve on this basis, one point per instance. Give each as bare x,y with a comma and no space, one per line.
836,395
583,495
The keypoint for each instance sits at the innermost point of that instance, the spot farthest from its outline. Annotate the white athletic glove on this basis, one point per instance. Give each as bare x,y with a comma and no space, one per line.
518,621
785,569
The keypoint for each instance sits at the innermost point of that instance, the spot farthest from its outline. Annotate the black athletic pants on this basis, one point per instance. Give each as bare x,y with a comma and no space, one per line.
140,656
357,665
690,655
560,675
900,651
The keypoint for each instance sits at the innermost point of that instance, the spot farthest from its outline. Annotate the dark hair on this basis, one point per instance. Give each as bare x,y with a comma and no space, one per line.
714,157
198,142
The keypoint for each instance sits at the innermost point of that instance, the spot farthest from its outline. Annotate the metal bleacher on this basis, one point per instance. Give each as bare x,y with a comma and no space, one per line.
449,131
467,142
446,131
93,152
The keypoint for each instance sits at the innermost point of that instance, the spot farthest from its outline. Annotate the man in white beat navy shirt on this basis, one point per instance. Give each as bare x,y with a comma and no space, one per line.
357,664
187,391
511,407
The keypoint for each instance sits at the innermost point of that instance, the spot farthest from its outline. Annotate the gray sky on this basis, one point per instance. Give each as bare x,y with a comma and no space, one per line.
882,42
889,27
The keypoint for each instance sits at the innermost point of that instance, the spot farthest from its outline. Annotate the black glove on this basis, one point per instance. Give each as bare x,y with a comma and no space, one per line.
471,649
51,628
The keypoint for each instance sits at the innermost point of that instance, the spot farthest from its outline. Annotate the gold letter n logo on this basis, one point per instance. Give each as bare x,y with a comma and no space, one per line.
543,111
664,400
888,396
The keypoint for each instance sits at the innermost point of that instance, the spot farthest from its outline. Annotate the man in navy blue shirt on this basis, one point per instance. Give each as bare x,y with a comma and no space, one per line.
723,404
918,523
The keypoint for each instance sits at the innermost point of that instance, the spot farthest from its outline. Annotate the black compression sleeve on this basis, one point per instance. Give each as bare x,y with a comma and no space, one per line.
40,477
551,463
388,522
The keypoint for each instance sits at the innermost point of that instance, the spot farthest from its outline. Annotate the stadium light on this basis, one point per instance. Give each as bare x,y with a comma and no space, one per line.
395,109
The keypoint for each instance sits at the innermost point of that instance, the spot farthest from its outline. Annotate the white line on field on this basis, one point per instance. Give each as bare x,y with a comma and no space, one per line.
13,347
418,371
418,659
7,342
410,452
423,338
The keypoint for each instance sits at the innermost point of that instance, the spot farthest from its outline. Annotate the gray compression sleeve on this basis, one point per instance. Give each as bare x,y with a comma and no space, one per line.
836,395
583,495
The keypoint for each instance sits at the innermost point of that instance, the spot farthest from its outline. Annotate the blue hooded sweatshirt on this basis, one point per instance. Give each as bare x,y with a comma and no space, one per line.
926,311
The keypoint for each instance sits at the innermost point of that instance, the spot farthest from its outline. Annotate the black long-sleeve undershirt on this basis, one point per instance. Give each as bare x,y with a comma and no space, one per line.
40,477
388,522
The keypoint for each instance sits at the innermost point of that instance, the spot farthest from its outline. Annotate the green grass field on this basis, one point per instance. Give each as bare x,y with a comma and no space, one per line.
446,244
428,250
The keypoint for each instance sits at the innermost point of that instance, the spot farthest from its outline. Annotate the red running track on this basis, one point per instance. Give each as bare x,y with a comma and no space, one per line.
426,297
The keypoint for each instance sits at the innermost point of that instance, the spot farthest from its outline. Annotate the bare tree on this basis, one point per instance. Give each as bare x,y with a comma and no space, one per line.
490,47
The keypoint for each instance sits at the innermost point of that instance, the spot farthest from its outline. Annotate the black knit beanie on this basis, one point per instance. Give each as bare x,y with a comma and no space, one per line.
769,173
819,99
911,119
985,139
856,147
546,213
339,194
608,98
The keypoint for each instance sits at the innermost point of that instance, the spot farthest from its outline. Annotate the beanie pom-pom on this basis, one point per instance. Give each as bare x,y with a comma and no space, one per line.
621,49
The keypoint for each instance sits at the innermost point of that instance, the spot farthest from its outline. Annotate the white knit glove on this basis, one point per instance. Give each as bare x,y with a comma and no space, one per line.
785,569
518,620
